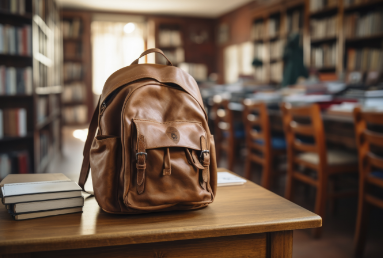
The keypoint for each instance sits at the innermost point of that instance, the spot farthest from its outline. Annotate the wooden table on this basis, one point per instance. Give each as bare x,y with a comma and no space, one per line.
243,221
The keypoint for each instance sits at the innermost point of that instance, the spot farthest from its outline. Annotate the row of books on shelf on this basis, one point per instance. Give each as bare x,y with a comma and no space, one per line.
197,71
71,28
317,5
259,51
43,75
352,2
294,21
46,103
40,8
74,92
323,56
15,40
276,49
15,80
176,56
29,196
42,108
44,144
73,49
16,162
276,72
293,25
43,42
364,59
259,74
322,28
13,122
257,30
72,71
357,25
13,6
75,115
273,27
169,38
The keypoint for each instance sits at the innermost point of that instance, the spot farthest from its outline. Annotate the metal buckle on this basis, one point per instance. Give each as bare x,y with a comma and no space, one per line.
202,152
141,153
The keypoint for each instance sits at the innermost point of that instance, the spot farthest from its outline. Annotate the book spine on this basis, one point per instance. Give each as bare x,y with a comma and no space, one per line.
2,80
1,124
1,39
22,122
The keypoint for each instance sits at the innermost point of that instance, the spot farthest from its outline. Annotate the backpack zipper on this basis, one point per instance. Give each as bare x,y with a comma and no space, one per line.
106,101
103,107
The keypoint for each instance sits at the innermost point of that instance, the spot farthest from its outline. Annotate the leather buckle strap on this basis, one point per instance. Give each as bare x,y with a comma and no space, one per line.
202,152
141,153
167,171
205,160
141,164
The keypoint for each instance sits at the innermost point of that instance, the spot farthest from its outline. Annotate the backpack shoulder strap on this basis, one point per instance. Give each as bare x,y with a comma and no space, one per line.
88,143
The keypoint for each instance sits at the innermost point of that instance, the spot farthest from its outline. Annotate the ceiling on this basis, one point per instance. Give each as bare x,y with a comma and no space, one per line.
201,8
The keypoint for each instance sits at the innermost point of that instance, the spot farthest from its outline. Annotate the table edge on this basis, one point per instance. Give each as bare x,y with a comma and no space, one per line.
127,238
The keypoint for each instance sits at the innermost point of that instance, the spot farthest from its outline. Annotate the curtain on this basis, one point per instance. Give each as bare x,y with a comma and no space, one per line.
113,48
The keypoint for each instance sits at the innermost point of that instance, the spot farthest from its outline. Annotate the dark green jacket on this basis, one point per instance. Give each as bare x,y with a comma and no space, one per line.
293,62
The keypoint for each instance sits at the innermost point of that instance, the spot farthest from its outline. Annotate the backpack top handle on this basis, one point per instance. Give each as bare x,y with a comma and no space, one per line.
152,50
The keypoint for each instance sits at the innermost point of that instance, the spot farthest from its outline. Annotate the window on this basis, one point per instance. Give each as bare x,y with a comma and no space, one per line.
114,46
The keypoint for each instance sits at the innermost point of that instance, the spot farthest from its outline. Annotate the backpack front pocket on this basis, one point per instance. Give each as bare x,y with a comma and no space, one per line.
171,166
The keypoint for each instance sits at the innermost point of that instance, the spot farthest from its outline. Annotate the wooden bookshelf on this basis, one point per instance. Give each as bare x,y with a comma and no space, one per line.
45,62
282,15
77,111
343,42
195,34
255,12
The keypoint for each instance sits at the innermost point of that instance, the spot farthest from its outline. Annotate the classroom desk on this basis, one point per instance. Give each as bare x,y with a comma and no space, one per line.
238,107
339,129
243,221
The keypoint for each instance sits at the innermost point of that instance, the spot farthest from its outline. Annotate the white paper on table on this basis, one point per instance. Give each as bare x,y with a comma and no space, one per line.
226,179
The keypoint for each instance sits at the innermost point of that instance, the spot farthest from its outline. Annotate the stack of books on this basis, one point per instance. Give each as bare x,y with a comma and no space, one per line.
32,196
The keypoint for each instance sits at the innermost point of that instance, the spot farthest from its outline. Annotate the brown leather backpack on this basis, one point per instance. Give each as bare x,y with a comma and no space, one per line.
153,150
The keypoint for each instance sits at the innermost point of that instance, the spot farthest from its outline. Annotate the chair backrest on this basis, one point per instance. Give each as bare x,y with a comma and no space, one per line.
223,121
301,122
255,115
369,141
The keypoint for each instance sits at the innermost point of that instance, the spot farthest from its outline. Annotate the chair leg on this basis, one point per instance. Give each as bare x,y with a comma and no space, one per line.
320,202
266,175
361,223
248,166
231,154
333,185
289,185
218,150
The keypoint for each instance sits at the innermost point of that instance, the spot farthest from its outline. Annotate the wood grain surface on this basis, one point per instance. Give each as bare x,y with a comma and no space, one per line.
253,245
237,210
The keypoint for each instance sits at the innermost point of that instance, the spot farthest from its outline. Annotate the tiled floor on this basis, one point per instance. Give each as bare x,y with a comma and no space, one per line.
338,229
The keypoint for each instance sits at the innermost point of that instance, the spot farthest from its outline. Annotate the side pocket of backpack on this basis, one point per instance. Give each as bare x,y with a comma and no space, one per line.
213,166
105,163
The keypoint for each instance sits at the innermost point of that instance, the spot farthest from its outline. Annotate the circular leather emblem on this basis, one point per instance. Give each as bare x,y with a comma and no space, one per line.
173,134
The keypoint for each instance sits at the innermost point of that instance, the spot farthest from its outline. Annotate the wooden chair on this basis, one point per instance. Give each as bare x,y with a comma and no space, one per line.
370,169
259,139
226,135
313,155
